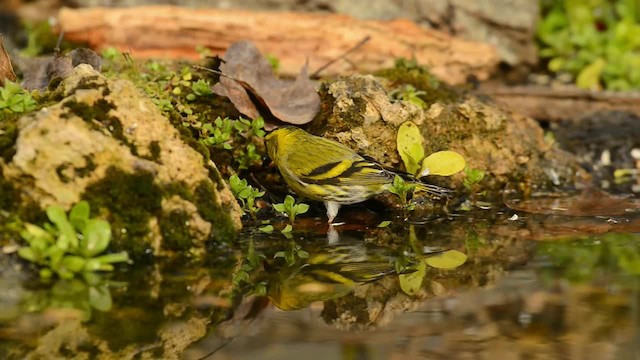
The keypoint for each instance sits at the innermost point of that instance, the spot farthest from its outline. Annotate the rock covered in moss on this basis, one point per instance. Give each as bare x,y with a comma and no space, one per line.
108,143
358,112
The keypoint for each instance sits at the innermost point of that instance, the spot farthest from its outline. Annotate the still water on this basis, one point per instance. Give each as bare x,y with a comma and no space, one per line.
536,280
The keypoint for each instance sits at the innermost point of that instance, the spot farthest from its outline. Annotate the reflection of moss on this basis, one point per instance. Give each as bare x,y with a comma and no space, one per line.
132,199
175,231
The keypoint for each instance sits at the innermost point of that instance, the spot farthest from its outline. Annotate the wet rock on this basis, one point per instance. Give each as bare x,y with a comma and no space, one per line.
358,112
108,143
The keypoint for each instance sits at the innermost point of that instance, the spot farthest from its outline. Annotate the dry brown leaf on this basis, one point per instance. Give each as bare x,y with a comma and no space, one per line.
39,72
253,88
6,69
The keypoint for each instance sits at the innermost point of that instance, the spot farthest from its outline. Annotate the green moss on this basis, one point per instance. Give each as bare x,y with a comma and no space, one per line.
131,200
8,136
188,138
409,72
60,172
206,200
8,195
154,149
175,231
87,169
100,112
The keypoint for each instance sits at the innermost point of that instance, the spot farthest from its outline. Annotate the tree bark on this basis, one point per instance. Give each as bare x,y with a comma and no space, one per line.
294,38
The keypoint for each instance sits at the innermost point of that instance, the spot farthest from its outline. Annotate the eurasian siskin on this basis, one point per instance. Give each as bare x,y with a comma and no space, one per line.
325,170
328,273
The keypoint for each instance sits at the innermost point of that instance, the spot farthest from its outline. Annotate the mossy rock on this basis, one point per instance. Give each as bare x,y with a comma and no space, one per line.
106,142
510,148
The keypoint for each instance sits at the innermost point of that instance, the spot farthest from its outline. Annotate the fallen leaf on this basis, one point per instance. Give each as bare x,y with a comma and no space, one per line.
249,82
443,163
38,72
6,69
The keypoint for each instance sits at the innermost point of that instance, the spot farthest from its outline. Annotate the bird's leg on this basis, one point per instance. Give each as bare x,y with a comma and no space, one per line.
332,210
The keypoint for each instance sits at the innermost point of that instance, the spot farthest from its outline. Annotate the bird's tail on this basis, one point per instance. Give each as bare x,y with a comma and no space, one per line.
433,190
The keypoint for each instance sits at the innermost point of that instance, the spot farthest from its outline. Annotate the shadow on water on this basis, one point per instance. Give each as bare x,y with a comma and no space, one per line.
548,283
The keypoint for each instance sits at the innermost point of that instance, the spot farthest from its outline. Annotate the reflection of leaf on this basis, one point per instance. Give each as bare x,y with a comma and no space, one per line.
409,143
447,260
252,87
100,298
443,163
411,283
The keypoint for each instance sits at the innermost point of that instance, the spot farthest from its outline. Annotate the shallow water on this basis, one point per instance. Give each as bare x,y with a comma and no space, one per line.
535,286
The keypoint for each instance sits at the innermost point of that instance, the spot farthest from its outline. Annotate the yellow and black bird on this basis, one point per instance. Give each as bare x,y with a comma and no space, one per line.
325,170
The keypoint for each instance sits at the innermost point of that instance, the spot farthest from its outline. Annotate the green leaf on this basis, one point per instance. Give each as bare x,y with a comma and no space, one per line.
113,258
79,214
96,237
301,208
289,201
409,144
589,77
267,229
287,229
448,260
100,298
55,254
73,263
279,207
443,163
412,282
384,224
67,238
28,254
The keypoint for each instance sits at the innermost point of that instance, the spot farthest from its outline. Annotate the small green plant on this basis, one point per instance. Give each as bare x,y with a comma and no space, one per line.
246,194
410,147
472,177
72,245
403,189
274,62
218,133
410,94
15,99
596,42
290,208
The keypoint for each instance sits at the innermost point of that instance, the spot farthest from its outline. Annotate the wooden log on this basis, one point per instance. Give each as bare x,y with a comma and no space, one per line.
557,104
294,38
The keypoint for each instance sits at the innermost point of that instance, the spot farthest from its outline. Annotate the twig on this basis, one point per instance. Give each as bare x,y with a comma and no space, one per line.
331,62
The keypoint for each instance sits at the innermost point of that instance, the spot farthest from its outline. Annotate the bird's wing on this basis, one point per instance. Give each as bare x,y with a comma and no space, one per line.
317,157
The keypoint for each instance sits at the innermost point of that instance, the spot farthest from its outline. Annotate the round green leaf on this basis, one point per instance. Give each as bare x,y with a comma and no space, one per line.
96,237
447,260
409,144
443,163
